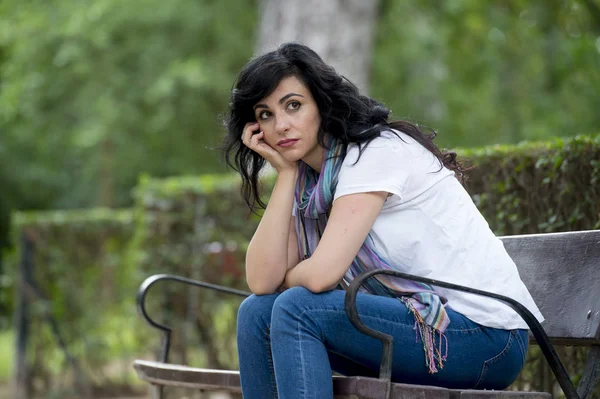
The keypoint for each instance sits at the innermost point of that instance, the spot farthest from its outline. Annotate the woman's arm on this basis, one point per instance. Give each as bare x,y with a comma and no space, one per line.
268,256
273,248
351,219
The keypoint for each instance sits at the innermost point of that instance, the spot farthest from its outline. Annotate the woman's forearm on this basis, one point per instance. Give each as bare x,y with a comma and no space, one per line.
267,255
310,275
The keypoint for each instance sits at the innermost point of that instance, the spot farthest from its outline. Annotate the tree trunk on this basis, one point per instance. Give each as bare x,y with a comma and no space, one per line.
340,31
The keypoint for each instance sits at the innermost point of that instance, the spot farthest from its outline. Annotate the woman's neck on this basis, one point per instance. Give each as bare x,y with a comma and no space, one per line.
315,159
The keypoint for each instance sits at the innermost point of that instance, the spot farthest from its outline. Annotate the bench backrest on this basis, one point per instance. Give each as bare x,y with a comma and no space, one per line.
562,272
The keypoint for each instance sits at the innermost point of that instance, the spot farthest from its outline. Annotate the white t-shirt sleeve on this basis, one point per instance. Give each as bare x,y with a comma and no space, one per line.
382,166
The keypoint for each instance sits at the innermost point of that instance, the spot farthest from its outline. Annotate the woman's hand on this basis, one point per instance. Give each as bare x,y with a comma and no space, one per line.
255,141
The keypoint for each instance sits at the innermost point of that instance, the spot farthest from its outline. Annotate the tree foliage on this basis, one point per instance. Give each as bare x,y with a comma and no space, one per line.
95,93
491,72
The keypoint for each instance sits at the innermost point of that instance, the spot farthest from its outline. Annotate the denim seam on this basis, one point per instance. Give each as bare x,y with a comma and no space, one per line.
521,346
363,317
386,320
303,384
459,330
270,360
494,359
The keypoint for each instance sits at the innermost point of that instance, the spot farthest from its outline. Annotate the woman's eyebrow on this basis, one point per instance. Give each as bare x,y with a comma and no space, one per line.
281,100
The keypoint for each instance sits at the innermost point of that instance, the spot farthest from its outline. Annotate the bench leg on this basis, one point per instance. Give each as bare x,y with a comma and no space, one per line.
157,391
591,374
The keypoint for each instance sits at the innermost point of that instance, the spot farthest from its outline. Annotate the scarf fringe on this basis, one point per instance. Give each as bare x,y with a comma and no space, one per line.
427,333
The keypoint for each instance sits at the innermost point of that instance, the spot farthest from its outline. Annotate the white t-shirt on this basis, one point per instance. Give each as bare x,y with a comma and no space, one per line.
430,227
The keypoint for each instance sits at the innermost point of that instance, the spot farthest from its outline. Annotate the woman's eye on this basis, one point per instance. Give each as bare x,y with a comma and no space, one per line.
263,115
294,105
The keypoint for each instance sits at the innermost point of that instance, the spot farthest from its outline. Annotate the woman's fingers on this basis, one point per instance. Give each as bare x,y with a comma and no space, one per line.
248,132
255,138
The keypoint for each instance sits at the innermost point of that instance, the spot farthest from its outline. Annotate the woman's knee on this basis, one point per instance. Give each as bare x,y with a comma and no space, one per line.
255,312
293,296
297,309
293,302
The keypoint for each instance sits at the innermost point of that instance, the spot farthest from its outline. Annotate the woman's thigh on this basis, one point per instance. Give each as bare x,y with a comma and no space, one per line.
477,356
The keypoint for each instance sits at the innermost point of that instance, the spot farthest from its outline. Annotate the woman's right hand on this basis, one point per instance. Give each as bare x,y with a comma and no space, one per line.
255,141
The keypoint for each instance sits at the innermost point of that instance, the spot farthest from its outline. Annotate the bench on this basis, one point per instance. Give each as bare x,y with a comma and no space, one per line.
561,270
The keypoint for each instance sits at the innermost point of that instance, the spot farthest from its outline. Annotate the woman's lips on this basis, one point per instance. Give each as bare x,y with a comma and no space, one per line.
287,143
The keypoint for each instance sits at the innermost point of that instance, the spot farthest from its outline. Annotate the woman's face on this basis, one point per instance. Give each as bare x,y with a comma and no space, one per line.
290,120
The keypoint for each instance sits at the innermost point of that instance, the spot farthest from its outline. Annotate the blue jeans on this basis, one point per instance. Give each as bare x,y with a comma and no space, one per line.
289,344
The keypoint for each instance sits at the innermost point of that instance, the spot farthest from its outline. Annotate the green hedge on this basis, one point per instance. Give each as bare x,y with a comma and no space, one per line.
91,262
196,227
78,265
538,187
193,227
181,220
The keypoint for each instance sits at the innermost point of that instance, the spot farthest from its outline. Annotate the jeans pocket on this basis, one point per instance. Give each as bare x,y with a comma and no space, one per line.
503,369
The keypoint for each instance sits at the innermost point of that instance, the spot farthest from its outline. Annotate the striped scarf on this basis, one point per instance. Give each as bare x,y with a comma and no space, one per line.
314,197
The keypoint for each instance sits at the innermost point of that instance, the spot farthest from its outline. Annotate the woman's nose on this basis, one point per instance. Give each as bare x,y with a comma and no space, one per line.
282,124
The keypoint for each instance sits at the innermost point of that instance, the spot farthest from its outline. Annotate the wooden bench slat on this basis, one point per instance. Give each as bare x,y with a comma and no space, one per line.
567,287
158,373
188,377
471,394
372,388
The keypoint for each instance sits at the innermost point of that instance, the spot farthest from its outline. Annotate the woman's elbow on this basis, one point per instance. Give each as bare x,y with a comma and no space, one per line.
264,280
326,280
262,287
262,291
318,285
259,292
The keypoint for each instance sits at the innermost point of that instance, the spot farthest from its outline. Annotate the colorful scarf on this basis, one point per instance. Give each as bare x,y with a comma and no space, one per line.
314,197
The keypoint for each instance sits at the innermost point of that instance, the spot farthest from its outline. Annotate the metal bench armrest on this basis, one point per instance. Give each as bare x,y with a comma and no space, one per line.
166,330
385,372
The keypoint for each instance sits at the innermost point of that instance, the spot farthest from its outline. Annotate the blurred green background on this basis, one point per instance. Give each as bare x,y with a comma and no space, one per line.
93,93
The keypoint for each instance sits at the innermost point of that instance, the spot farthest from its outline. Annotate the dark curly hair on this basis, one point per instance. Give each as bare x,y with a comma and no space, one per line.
345,113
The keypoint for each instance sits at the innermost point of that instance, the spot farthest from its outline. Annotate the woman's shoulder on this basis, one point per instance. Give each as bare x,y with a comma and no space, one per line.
390,143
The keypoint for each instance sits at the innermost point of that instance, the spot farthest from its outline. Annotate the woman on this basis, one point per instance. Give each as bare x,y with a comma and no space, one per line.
356,192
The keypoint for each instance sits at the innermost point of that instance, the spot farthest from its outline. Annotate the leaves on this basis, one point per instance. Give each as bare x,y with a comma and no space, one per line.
108,90
538,187
484,73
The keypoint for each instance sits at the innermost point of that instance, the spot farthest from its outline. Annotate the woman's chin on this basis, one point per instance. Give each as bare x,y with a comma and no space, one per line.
292,157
